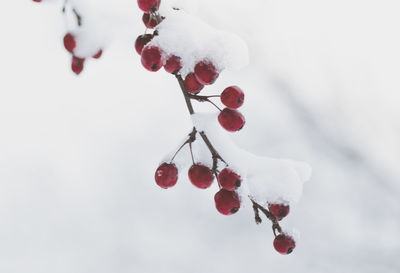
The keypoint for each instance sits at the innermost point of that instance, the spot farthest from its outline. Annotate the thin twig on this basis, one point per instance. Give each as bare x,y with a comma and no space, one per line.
191,139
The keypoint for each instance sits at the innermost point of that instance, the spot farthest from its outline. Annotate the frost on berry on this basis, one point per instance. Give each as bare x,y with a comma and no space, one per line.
231,120
142,41
227,202
229,180
279,210
232,97
192,85
166,175
284,244
149,6
200,176
205,72
151,58
69,42
173,64
77,64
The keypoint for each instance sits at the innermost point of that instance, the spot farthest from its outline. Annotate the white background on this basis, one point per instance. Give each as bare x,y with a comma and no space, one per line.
78,154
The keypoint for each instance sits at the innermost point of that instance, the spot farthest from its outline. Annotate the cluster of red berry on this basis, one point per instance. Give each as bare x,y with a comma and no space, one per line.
70,44
227,200
77,63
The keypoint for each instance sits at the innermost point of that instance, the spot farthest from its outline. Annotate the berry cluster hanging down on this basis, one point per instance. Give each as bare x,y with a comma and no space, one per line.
202,176
196,54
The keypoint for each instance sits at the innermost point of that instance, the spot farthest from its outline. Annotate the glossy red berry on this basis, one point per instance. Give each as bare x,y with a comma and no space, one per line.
227,202
173,64
200,176
205,72
279,210
149,6
192,85
232,97
149,20
231,120
69,42
151,58
77,64
98,54
229,180
166,175
37,1
141,41
284,244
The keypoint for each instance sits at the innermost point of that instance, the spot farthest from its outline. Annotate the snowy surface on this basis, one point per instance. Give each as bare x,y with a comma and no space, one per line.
267,180
78,155
184,35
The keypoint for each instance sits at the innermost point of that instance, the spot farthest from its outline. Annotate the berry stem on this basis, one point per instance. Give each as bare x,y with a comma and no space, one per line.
185,94
76,13
269,215
191,139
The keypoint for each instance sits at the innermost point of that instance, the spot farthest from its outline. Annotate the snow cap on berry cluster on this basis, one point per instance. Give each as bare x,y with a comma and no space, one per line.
184,35
266,180
92,35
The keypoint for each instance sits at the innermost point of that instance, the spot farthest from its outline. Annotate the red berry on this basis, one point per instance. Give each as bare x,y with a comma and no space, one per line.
37,1
231,120
205,72
279,210
98,54
229,180
149,6
77,64
192,85
173,64
227,202
232,97
166,175
151,58
201,176
141,41
69,42
284,244
149,20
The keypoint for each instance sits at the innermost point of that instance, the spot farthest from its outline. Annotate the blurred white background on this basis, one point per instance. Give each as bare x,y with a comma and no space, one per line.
78,154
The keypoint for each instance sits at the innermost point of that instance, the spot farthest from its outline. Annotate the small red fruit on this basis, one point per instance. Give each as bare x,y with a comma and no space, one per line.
227,202
149,20
192,85
98,54
200,176
231,120
69,42
77,64
229,180
151,58
141,41
205,72
279,210
173,64
232,97
284,244
149,6
166,175
37,1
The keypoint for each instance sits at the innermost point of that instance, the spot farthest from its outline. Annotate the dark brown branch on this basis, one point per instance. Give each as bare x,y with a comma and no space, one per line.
275,224
185,94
